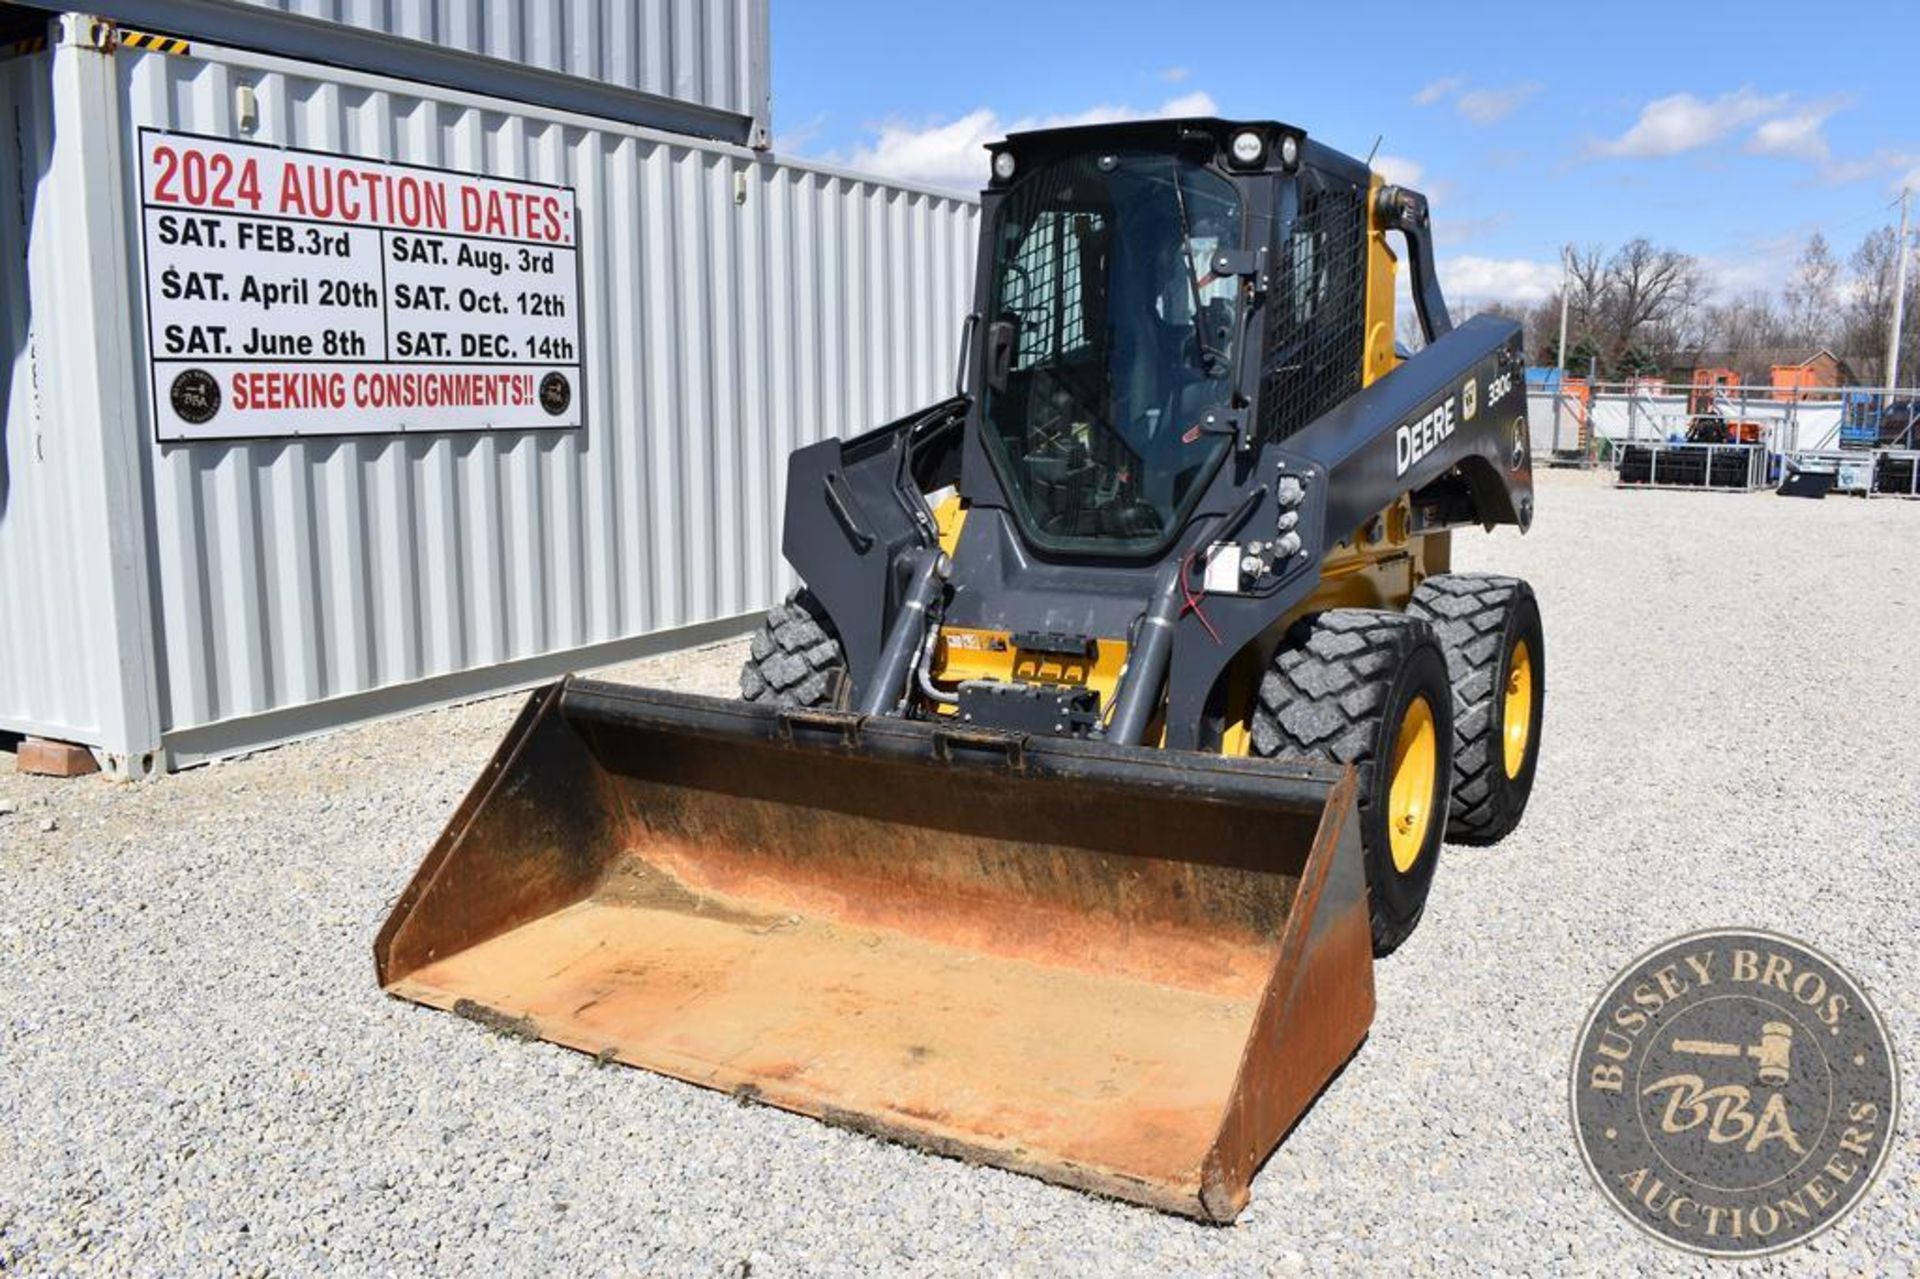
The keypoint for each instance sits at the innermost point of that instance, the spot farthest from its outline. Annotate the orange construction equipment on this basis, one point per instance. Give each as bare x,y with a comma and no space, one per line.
1113,967
1708,418
1708,383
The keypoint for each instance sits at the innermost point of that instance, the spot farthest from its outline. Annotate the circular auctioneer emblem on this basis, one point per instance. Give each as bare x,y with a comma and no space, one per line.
195,396
1734,1093
555,394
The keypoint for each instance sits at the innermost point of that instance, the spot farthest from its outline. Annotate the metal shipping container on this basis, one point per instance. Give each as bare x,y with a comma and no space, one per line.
688,66
170,602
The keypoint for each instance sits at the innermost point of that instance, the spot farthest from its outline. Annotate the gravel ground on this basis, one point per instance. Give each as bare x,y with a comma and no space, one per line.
196,1071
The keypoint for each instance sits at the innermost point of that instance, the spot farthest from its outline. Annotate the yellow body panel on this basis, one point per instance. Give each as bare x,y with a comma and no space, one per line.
1379,359
1377,568
964,653
949,518
1243,689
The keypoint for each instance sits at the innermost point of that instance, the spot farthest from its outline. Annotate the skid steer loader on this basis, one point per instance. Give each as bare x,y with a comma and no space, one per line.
1114,732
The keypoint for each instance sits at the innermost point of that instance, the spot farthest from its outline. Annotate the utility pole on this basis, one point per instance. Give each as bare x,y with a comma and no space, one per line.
1899,295
1560,377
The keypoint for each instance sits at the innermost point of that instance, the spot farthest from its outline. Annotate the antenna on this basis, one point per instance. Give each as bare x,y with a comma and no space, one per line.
1378,138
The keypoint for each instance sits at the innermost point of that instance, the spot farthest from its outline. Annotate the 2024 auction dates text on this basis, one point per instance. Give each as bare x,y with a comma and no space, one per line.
216,341
260,236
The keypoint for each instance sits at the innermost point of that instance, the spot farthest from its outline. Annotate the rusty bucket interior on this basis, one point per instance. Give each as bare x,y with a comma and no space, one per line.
1121,969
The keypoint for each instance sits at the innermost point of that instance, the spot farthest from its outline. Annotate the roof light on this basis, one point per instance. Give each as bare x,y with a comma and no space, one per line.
1289,150
1003,165
1249,148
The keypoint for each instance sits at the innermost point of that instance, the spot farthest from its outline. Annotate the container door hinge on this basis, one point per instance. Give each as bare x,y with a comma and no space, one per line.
84,31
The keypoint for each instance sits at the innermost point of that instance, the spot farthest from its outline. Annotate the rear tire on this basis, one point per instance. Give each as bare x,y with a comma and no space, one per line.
795,658
1349,687
1496,653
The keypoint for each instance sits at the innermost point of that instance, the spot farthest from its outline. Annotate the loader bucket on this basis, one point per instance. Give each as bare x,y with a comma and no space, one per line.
1121,969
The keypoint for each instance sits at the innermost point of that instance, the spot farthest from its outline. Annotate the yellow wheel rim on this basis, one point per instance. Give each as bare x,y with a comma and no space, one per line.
1516,716
1415,767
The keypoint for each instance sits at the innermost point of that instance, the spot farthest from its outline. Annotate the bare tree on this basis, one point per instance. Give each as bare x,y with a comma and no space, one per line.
1650,294
1742,324
1812,296
1586,286
1407,333
1644,308
1541,327
1867,317
1869,311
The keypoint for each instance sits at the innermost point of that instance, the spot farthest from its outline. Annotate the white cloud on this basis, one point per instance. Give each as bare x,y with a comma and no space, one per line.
1434,90
1759,263
1682,122
944,154
1175,75
1399,170
1450,233
1402,171
1797,135
1904,165
1466,279
1199,102
1490,106
800,137
1856,169
953,154
1477,106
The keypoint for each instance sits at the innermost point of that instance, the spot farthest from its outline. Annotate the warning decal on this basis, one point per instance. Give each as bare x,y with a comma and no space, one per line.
299,293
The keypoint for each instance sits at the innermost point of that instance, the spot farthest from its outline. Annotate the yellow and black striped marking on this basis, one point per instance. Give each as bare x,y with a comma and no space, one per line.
155,43
21,48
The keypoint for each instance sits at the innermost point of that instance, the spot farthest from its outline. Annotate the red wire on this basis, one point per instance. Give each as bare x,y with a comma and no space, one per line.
1192,604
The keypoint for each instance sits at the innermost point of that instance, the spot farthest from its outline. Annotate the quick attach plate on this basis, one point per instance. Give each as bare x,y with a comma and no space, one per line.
1042,709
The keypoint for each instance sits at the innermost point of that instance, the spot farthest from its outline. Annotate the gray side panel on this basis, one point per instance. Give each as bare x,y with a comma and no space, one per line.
686,66
75,620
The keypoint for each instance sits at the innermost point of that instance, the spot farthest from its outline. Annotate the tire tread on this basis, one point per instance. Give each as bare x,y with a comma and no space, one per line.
1468,611
794,659
1321,698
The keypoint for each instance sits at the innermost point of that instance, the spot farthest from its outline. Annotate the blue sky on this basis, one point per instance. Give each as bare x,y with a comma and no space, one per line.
1731,131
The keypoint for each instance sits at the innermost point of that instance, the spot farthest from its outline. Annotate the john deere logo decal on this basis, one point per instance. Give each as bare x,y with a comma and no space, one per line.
1734,1093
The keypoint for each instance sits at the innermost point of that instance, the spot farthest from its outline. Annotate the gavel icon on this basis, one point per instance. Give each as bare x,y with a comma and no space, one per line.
1772,1052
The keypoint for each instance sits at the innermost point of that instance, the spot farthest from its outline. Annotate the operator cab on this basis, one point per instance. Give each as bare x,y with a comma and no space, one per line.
1154,295
1111,340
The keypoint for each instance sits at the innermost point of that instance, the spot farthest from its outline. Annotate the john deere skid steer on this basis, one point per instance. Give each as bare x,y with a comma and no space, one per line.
1115,731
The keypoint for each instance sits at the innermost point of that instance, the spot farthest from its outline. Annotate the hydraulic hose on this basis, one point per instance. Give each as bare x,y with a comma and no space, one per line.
1147,660
926,573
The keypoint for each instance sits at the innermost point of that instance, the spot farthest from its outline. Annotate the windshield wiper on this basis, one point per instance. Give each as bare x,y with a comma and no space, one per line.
1208,358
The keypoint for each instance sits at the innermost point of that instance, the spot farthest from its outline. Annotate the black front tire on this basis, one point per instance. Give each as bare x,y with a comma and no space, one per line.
1338,691
795,658
1484,622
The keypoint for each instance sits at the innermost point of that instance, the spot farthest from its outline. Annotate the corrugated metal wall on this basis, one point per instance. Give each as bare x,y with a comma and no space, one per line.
46,631
702,64
695,50
720,335
62,652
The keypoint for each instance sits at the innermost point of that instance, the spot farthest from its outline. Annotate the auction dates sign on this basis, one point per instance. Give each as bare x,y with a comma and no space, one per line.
298,293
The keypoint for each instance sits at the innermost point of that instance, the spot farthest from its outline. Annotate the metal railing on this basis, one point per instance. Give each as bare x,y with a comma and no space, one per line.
1846,429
